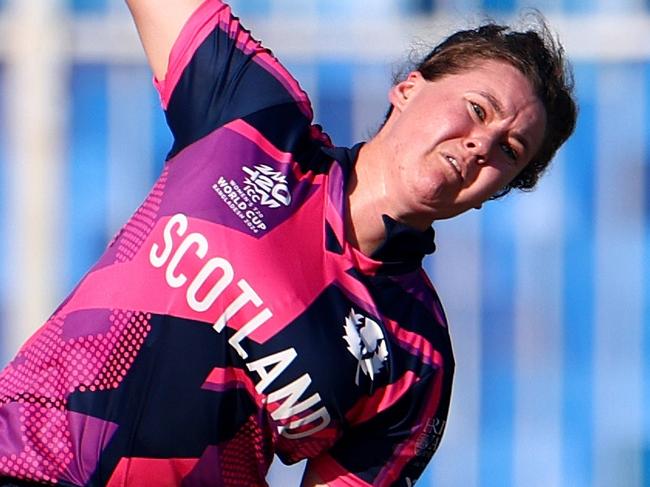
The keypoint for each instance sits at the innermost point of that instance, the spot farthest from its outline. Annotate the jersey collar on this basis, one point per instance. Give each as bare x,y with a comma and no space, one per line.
404,247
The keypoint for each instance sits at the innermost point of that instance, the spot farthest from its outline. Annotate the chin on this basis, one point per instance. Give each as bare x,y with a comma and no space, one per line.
450,212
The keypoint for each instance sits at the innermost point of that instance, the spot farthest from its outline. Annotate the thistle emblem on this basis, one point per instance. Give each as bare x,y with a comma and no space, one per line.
366,343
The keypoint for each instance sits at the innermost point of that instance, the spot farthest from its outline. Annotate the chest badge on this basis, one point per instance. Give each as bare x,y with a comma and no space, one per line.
267,186
366,343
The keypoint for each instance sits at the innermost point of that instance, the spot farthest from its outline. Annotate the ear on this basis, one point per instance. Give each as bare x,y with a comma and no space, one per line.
400,94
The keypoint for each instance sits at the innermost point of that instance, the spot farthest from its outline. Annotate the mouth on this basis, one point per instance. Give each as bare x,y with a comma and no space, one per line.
454,164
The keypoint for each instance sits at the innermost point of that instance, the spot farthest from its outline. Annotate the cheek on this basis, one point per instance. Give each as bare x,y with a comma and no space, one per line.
429,184
492,180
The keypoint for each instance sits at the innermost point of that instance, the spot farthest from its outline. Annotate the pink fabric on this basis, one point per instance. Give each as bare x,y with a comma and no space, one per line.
381,400
151,291
47,449
335,202
221,379
51,366
334,475
408,450
415,343
271,64
244,129
88,435
152,472
198,27
215,14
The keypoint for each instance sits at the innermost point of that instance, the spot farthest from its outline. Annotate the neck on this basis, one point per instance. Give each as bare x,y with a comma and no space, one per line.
369,198
367,202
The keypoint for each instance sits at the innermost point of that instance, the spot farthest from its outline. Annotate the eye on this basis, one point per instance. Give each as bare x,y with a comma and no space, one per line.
478,109
509,151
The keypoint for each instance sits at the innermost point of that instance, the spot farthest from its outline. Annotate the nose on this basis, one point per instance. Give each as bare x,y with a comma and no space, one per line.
478,146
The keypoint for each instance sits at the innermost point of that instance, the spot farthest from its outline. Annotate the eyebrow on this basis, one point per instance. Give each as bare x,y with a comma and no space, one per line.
498,108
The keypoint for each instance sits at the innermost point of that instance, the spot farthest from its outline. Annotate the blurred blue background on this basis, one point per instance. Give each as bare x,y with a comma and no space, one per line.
547,293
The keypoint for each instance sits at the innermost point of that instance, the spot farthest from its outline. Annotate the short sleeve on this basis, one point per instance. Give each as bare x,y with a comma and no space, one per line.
218,73
394,447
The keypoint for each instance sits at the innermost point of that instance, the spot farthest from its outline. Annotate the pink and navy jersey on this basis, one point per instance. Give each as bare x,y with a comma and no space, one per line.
230,320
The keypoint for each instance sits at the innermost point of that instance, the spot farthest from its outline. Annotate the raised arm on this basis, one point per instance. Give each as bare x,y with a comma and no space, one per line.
211,71
159,23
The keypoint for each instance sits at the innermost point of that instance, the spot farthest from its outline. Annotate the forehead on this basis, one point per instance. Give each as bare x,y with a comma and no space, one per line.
500,80
497,74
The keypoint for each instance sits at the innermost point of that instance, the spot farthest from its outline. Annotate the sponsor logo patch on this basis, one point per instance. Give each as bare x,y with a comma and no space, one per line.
262,187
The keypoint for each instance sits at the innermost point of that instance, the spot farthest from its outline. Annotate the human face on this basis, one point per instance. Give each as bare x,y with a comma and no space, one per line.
456,141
